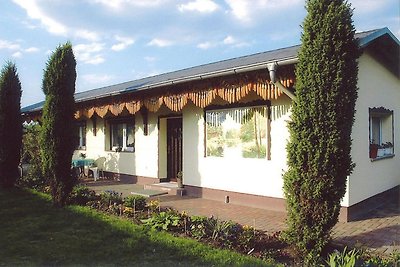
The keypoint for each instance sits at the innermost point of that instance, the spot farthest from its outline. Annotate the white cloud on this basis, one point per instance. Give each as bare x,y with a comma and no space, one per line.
203,6
17,54
87,35
205,45
33,10
89,53
229,40
95,60
97,78
124,42
240,9
4,44
160,42
233,42
366,6
121,4
248,10
90,48
32,50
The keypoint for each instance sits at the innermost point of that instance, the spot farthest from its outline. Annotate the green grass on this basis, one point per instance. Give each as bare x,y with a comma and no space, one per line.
34,233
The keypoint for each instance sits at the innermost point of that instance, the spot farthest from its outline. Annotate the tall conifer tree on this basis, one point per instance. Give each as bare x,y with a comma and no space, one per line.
323,113
10,125
57,136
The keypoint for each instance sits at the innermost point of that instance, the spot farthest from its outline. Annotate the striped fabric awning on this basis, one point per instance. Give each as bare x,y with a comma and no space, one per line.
230,92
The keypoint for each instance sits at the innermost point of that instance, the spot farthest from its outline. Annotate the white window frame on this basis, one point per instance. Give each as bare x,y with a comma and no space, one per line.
371,128
81,135
386,132
124,147
256,104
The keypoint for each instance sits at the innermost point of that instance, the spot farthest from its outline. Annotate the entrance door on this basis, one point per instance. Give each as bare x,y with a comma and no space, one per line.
174,147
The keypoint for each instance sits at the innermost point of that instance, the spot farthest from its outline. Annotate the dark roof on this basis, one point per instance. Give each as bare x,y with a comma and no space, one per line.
385,48
190,73
219,68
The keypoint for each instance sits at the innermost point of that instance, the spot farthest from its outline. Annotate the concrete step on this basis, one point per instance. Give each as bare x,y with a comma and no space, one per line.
170,187
148,192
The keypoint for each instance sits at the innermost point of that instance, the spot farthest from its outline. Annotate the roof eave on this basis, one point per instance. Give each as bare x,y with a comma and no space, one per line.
198,77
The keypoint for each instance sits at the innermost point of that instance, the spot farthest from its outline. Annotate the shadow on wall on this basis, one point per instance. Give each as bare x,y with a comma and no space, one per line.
193,140
151,124
111,165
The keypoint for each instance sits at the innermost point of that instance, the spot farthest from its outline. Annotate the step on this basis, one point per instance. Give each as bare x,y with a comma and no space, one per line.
170,187
148,192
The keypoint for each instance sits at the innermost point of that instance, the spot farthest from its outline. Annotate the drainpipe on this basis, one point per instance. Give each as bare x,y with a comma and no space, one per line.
272,68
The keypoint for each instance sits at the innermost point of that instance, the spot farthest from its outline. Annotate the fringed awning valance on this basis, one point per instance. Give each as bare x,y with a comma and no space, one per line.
203,98
176,102
230,92
133,106
153,104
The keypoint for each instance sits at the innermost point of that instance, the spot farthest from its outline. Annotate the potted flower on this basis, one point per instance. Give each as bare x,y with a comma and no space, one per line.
388,148
179,179
373,150
381,151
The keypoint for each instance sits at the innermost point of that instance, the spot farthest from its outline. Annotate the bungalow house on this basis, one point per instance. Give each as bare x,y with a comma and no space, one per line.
224,125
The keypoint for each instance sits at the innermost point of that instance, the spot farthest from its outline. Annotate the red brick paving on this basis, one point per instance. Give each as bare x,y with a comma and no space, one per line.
378,231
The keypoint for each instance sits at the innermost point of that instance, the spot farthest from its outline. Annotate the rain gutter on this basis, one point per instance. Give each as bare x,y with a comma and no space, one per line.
208,75
272,68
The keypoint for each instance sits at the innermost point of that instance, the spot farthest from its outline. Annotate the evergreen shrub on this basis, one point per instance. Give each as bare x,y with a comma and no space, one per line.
10,125
319,158
57,136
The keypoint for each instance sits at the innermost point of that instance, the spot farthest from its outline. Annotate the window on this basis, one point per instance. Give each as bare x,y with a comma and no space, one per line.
80,135
122,135
381,132
237,132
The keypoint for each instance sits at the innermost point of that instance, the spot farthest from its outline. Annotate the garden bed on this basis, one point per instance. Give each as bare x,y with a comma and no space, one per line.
244,239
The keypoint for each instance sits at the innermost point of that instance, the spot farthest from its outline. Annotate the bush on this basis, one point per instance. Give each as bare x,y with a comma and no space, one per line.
246,238
57,135
200,227
81,195
33,177
10,125
135,202
110,197
375,261
154,205
226,233
165,220
344,258
319,158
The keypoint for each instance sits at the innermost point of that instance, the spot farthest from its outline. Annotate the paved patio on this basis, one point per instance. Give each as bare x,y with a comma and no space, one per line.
379,231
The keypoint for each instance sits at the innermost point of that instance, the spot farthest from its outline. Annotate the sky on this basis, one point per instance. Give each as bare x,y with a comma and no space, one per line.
116,41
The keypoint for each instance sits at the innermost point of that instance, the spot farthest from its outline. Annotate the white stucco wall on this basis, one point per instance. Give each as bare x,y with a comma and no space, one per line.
143,162
263,177
252,176
377,88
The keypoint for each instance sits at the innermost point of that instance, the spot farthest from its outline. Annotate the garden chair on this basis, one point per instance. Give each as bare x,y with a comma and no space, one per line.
98,168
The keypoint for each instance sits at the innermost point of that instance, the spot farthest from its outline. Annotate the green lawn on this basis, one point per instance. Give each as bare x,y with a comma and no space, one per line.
33,233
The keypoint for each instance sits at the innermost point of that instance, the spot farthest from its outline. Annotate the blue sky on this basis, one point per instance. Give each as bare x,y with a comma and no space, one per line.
120,40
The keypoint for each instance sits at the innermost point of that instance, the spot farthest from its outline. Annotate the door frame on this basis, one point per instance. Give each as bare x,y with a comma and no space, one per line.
163,147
